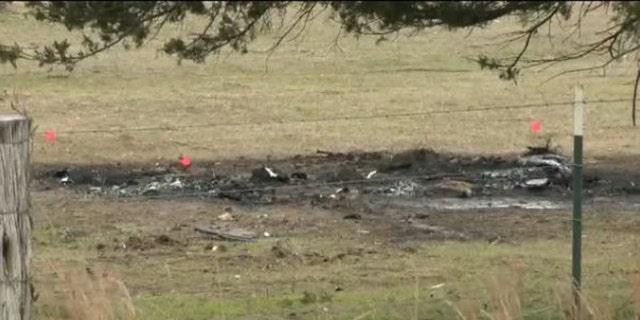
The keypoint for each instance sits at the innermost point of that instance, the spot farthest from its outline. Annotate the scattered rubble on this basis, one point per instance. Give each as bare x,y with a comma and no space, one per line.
356,176
226,217
267,175
452,188
404,188
534,172
536,184
219,233
371,174
342,174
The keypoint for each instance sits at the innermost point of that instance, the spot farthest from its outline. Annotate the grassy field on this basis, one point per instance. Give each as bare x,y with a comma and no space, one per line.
317,266
310,78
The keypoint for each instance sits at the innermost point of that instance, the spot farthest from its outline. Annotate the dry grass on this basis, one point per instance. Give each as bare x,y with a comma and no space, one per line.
635,285
88,293
508,292
380,276
309,79
506,300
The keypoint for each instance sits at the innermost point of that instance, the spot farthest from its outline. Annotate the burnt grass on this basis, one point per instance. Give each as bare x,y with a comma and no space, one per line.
323,178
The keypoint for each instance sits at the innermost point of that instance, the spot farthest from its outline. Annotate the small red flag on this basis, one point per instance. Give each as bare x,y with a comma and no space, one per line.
536,126
50,135
185,161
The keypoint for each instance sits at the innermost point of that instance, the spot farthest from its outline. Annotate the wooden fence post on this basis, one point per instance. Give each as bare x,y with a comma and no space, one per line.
15,221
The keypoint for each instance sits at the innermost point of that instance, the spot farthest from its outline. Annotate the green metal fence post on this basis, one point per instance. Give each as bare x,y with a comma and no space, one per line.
578,112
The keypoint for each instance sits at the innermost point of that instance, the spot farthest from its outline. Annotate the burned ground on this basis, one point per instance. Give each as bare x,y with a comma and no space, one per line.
406,186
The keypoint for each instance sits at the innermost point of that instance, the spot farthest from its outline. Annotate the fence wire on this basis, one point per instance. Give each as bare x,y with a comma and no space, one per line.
467,109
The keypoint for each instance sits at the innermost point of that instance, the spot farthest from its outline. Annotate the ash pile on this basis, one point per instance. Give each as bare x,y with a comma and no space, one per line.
164,184
414,174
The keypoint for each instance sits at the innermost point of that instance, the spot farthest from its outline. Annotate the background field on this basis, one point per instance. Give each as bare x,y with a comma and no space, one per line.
328,269
312,78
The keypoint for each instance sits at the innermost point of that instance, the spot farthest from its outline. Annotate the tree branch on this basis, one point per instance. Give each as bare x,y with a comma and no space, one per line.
335,43
604,65
530,32
69,61
303,14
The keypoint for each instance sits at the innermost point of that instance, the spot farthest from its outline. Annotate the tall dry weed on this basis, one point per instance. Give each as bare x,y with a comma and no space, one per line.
506,299
94,294
634,280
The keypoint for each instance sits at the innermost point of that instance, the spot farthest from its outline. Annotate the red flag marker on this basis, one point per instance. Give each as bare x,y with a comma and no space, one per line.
50,135
536,126
185,161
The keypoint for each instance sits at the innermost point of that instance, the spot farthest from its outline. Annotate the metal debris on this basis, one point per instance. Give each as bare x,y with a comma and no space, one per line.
226,234
537,183
548,160
65,181
267,175
404,188
177,184
270,172
533,172
343,182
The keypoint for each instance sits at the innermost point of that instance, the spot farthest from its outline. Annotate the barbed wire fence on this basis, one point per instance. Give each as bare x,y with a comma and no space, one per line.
308,185
339,184
468,109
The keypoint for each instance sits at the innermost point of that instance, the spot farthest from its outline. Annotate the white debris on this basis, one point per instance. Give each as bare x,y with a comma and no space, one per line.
270,172
371,174
95,189
549,160
537,183
177,184
335,195
225,217
65,180
404,188
437,286
153,186
267,234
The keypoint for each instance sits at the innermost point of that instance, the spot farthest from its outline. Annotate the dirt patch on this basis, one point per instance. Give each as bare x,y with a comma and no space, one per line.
358,186
416,173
